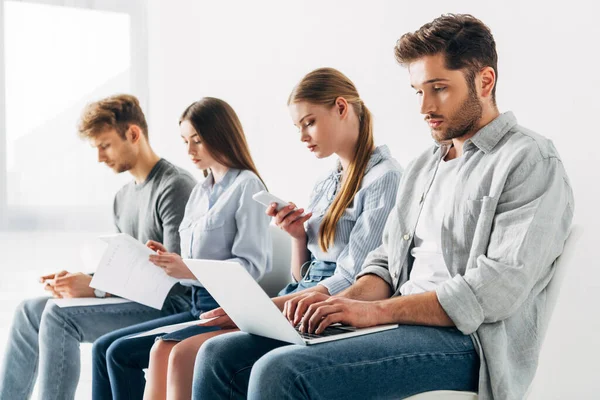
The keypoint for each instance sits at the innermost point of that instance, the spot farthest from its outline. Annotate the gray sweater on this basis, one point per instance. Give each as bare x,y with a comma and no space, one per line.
153,210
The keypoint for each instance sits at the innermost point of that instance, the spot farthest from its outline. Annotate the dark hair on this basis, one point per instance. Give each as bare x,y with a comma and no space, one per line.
323,86
221,132
466,42
115,112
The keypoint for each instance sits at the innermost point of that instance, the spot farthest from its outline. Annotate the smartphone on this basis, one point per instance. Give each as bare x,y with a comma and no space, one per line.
265,198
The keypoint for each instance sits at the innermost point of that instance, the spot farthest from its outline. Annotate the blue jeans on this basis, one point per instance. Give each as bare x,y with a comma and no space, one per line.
316,271
391,364
118,361
44,339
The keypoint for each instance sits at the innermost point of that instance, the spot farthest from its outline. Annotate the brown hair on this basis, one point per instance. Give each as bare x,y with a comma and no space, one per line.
221,132
323,86
466,42
117,112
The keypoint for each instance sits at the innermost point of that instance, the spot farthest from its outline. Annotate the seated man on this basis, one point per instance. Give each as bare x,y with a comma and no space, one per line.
466,257
46,338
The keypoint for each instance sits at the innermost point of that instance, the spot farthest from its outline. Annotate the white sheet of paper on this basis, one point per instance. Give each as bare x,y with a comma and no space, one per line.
88,301
171,328
125,271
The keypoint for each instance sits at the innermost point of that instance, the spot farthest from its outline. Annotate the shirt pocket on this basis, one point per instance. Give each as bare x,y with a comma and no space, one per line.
478,219
207,237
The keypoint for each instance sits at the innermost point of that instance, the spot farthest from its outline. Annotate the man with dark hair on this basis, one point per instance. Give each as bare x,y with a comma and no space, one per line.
466,257
45,337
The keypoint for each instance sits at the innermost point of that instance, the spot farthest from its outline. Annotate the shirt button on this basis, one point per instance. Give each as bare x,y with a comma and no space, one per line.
406,236
394,274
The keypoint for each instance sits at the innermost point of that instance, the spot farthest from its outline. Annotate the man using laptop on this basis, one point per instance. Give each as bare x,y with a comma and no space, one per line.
45,338
466,257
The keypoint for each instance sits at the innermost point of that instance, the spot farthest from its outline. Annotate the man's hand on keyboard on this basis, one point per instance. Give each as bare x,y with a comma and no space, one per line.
320,315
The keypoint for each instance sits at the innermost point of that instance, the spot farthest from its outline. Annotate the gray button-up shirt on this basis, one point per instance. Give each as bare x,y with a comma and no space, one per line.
502,231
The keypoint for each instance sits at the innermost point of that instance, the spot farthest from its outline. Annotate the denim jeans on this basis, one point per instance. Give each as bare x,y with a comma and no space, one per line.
44,339
118,361
316,271
391,364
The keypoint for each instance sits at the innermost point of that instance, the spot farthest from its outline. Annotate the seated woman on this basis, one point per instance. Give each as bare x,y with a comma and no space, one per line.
221,222
347,212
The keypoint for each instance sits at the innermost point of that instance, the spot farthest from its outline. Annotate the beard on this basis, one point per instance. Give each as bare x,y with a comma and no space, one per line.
462,121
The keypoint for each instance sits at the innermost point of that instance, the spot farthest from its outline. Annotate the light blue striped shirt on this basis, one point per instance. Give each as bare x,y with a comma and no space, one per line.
360,229
223,222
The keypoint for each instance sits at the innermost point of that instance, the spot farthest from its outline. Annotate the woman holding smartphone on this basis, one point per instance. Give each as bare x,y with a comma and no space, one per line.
221,222
347,211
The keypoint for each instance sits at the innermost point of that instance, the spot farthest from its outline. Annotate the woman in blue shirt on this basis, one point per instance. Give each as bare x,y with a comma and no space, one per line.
221,222
347,210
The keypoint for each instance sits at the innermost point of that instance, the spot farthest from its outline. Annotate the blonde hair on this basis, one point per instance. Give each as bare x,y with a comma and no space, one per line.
322,87
115,112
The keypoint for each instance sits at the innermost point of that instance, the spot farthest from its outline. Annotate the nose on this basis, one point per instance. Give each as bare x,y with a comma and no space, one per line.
427,105
190,148
101,156
304,137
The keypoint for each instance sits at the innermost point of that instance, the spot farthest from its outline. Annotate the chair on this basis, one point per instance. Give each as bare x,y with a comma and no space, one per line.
552,292
280,275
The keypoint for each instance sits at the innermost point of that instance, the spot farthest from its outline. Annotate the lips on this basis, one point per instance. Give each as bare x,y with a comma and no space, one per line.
312,148
434,123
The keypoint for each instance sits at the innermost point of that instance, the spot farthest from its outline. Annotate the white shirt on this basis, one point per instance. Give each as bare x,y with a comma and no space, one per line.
429,268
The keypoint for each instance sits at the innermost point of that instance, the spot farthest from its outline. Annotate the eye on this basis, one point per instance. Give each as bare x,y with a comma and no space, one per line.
197,142
309,123
439,89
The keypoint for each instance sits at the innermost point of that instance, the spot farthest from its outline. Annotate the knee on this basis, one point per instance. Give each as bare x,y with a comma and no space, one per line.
29,313
52,317
117,351
272,370
210,354
100,348
160,352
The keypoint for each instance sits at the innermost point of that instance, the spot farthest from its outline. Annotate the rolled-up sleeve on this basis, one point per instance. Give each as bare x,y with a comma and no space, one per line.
530,224
252,242
366,235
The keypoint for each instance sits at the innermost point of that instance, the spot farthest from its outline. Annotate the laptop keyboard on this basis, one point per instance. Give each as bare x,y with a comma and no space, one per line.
329,331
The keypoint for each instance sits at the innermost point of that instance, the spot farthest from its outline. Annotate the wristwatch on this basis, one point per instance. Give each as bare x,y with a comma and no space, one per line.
99,293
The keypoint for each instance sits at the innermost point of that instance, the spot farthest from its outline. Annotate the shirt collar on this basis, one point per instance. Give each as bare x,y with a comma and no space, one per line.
380,154
229,177
487,137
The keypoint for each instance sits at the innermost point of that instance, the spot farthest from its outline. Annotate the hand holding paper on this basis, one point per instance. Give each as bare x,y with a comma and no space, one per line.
125,271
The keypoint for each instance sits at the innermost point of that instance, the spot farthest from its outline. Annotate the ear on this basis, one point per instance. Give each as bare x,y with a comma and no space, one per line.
134,133
487,81
341,107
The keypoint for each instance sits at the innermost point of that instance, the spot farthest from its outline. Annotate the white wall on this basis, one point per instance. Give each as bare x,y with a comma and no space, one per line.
252,53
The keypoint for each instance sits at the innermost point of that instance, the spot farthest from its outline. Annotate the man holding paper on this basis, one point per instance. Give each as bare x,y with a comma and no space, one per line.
44,337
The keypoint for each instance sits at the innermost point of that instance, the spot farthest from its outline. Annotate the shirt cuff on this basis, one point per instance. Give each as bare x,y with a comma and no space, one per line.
335,283
461,305
381,272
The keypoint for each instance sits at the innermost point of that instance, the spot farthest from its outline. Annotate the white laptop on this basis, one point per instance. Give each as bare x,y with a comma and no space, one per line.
253,311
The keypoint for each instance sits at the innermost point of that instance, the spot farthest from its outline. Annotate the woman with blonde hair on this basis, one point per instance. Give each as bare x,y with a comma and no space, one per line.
347,211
